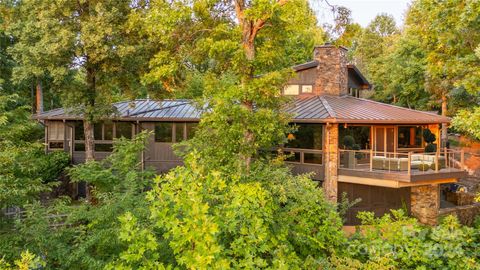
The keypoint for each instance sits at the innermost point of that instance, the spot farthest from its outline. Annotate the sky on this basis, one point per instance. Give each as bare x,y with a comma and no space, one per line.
363,11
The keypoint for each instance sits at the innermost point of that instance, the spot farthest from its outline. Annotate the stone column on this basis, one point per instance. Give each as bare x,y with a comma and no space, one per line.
330,184
425,203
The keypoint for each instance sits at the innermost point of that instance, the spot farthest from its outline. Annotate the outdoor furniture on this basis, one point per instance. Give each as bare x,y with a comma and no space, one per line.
401,163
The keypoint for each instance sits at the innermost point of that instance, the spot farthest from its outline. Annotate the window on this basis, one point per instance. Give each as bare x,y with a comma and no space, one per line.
108,131
292,89
307,136
79,133
123,129
179,132
191,127
80,147
97,131
103,147
410,136
103,131
163,132
307,88
360,135
55,145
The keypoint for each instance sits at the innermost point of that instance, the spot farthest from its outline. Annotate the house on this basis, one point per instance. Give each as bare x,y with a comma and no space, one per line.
367,149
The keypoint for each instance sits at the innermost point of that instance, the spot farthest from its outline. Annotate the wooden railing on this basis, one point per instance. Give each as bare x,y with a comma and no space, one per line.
401,162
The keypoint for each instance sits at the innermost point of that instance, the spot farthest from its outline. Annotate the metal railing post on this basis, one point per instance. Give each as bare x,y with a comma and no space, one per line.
409,163
371,159
462,159
446,157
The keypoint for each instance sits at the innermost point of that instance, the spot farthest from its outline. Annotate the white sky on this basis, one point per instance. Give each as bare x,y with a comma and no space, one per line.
363,11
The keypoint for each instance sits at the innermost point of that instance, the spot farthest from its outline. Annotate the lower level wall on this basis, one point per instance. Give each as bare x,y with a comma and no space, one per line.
425,203
379,200
466,214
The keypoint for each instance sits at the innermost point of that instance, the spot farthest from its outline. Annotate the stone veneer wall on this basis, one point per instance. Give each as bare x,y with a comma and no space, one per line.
466,214
330,184
332,70
425,203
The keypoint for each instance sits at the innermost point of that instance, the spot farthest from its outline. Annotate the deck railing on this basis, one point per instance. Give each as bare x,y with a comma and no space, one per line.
303,156
401,162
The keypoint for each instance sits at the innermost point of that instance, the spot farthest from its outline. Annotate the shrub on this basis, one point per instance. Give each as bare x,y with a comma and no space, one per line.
267,219
424,167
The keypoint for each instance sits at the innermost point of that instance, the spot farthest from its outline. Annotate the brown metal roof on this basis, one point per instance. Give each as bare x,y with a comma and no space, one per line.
315,109
348,109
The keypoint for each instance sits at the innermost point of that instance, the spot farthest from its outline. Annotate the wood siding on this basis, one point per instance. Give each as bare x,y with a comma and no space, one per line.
374,199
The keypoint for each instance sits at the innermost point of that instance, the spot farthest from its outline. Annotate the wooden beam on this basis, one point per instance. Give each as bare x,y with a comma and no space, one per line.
390,183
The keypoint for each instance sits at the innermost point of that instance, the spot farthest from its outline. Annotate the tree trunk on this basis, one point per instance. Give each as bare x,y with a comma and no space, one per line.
87,118
444,125
89,140
39,97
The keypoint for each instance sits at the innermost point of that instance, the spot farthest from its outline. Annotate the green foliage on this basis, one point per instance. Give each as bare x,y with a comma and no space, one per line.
468,121
348,141
84,235
269,219
27,261
25,169
429,138
398,242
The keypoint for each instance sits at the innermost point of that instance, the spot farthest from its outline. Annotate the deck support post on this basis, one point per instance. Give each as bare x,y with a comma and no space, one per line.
425,203
330,185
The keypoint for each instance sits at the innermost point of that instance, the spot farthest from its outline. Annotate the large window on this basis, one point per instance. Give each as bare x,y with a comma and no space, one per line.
123,129
190,128
358,137
174,132
307,136
410,137
164,132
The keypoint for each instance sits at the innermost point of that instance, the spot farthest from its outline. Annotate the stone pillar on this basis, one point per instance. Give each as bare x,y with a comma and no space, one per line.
330,184
332,70
425,203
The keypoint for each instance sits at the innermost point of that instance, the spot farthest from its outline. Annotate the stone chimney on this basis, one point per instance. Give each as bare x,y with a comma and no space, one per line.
332,71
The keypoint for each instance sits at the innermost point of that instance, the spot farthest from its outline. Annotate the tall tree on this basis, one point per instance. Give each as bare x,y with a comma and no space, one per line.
82,45
235,53
450,34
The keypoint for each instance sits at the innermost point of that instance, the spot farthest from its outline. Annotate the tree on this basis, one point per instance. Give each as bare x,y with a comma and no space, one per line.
83,46
83,235
233,54
449,31
203,217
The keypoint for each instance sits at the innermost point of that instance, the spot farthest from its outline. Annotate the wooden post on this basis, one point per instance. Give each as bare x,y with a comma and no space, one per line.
72,142
436,162
65,133
46,137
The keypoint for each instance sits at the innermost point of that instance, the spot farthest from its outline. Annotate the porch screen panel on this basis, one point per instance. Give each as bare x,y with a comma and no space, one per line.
307,136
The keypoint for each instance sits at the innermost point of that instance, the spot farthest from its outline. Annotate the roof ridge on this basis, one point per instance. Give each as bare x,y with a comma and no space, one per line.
396,106
329,109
